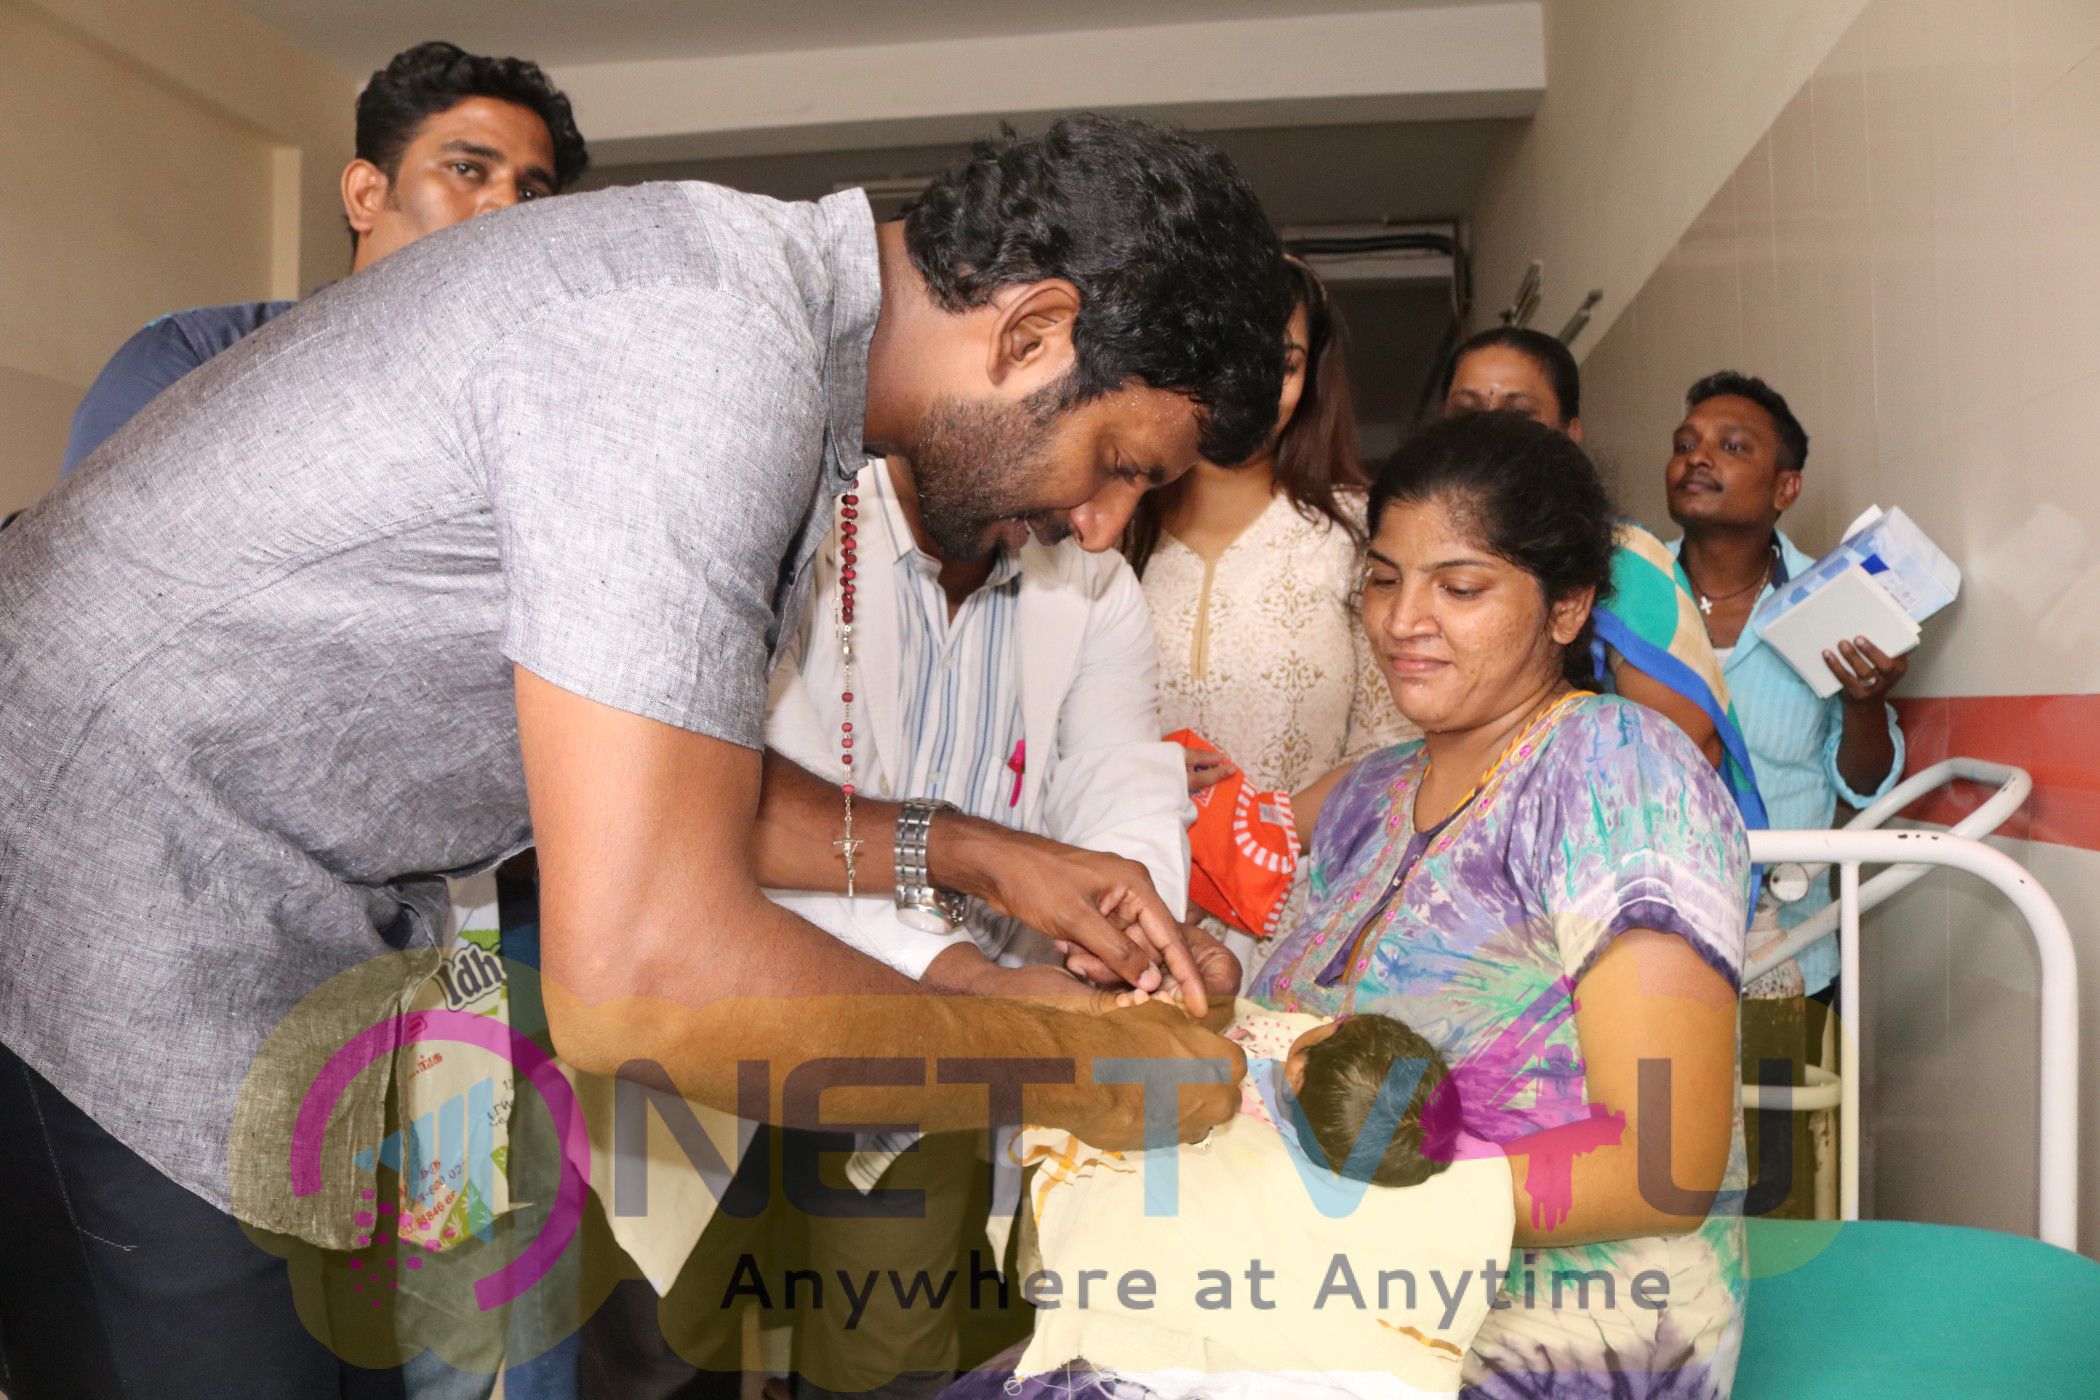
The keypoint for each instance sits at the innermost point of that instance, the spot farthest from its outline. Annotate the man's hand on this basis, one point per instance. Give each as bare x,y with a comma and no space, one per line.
1866,753
1218,975
1090,900
1113,1116
1865,674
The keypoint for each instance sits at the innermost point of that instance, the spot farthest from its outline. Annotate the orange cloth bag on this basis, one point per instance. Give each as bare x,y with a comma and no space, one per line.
1243,848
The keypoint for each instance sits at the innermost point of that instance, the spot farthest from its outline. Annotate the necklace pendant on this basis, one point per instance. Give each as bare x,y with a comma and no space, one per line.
1706,605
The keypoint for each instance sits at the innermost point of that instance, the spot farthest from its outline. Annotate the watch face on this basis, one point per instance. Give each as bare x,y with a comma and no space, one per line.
925,920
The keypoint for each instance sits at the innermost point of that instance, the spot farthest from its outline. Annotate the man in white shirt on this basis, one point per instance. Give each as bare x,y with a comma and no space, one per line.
1022,687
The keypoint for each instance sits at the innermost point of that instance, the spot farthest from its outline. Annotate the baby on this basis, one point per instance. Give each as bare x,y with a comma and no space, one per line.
1360,1086
1363,1097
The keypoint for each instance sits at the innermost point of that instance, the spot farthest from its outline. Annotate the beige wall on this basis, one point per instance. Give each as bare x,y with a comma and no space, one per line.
1649,104
1911,253
155,157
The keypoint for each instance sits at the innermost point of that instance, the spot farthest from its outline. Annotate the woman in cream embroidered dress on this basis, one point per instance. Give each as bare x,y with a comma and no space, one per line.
1251,572
1260,652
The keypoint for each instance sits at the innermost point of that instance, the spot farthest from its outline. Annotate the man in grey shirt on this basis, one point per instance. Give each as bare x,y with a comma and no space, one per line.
341,603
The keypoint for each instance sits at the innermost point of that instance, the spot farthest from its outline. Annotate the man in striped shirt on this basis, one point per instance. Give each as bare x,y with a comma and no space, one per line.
1019,685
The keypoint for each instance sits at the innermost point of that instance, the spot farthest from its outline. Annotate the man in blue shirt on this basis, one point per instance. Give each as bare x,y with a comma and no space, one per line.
442,135
1735,467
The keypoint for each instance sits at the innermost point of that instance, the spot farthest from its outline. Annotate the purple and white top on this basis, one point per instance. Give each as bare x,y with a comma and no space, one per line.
1607,820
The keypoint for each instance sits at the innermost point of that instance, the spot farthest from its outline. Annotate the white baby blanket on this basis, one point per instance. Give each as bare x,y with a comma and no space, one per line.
1241,1258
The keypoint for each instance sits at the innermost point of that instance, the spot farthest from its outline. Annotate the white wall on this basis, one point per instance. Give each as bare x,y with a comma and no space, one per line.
1649,104
155,157
1412,63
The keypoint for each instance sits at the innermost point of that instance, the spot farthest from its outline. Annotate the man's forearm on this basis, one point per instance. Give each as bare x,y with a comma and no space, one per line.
658,945
801,818
1865,750
841,1038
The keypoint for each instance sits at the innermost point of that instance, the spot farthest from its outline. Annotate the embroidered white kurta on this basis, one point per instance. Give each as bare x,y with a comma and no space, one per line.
1262,651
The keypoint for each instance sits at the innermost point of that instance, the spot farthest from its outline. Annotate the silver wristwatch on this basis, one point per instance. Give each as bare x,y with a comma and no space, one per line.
919,904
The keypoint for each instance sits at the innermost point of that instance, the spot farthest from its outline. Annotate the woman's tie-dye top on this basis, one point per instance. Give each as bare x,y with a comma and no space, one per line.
1606,821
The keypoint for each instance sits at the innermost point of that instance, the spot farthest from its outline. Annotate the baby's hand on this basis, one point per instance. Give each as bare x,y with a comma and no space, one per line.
1170,994
1219,968
1108,999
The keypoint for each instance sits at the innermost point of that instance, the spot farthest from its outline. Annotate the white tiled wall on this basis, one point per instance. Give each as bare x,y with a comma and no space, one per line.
1912,255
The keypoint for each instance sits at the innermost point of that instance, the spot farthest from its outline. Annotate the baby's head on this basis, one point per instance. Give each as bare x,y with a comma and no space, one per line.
1340,1073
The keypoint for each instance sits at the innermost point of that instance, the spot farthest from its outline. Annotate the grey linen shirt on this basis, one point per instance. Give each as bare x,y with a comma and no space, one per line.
255,655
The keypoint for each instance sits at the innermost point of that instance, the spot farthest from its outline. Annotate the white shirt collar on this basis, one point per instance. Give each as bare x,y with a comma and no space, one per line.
875,482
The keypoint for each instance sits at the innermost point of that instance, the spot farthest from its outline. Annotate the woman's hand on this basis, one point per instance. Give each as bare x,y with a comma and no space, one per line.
1206,768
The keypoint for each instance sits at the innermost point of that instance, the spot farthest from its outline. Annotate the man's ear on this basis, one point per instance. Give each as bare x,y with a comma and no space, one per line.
1786,490
365,191
1033,332
1575,431
1569,614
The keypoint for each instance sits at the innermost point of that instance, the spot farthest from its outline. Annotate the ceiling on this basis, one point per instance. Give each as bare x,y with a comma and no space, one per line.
358,36
1341,168
1398,171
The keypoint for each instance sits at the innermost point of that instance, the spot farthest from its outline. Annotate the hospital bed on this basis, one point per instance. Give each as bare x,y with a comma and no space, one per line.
1869,1308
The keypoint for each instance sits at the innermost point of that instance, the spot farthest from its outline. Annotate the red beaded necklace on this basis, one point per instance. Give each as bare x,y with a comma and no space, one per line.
849,511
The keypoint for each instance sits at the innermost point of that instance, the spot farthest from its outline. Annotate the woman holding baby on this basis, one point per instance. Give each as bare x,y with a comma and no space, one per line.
1551,888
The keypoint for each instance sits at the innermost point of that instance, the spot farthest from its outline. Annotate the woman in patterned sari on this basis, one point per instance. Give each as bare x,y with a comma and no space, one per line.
1551,888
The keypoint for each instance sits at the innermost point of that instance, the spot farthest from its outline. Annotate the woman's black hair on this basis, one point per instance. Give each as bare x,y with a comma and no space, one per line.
1180,273
433,77
1526,492
1318,466
1554,360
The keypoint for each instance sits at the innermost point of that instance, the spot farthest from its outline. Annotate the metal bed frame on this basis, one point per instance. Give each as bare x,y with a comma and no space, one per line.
1908,854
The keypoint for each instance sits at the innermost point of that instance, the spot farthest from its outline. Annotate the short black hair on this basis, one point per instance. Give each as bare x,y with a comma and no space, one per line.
1554,359
435,77
1793,438
1180,274
1527,492
1350,1089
